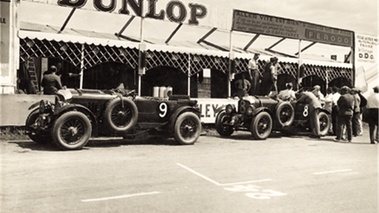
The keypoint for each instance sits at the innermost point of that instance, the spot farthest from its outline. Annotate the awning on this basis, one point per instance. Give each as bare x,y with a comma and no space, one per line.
108,29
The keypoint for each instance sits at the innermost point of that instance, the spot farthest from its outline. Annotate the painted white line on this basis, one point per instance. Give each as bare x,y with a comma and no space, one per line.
120,196
333,171
250,181
198,174
217,183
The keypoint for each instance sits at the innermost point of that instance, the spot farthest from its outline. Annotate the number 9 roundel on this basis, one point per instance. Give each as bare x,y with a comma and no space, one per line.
162,110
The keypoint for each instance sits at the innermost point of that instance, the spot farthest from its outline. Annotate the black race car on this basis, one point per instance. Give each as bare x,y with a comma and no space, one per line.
79,114
262,115
259,115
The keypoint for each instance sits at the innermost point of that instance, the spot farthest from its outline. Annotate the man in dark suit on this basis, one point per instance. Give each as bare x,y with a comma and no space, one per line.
345,113
51,82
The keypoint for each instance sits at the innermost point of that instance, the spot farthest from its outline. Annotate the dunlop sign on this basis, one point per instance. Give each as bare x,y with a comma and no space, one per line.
175,11
275,26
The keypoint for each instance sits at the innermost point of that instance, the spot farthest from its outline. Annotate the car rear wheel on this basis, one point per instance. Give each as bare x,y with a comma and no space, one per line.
324,122
187,128
72,131
121,114
285,113
223,130
261,126
40,137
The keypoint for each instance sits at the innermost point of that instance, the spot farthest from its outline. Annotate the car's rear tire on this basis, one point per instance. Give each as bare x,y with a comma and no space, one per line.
261,126
121,114
285,113
72,130
221,129
187,128
40,137
324,122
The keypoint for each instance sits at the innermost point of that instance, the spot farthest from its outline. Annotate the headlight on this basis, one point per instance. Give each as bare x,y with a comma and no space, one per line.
44,106
229,109
249,110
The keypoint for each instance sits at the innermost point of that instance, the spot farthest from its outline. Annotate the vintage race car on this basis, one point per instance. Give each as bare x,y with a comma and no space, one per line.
79,114
301,124
259,115
262,115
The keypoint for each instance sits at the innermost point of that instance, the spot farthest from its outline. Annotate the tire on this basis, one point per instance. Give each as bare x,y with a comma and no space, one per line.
120,114
71,131
324,123
285,114
221,129
261,126
40,137
187,128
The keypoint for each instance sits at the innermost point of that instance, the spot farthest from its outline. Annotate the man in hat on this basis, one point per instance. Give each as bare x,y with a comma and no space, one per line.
317,91
345,114
254,74
372,114
288,94
51,82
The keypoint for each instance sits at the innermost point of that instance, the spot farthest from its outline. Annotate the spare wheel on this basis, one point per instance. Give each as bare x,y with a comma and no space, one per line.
285,113
121,114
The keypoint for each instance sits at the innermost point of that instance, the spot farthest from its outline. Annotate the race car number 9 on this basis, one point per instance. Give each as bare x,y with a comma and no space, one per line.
163,109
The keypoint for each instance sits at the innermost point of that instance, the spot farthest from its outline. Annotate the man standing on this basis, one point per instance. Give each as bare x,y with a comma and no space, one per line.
51,82
372,113
336,95
254,74
269,77
345,114
312,109
357,111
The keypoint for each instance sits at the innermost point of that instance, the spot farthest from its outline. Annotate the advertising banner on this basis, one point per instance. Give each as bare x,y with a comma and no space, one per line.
288,28
208,107
366,61
4,38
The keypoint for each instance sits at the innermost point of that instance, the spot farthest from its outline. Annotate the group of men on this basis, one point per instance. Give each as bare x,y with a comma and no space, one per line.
268,78
347,104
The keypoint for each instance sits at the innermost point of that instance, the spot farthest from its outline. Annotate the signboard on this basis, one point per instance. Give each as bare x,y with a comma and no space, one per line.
175,11
366,48
366,62
209,106
4,38
288,28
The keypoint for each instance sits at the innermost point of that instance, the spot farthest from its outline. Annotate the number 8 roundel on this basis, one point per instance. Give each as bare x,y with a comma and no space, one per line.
162,110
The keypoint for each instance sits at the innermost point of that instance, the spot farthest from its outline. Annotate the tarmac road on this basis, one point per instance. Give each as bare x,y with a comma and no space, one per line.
281,174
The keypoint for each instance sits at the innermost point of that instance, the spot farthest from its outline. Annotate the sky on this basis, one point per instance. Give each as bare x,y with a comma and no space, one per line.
360,16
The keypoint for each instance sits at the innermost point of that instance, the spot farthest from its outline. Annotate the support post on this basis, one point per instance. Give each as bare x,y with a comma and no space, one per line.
81,67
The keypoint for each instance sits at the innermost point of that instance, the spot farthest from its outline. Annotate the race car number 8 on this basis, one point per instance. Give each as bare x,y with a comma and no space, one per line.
305,112
163,108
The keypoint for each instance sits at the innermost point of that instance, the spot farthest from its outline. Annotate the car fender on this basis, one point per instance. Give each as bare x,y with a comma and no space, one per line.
260,109
80,108
324,110
36,104
179,111
219,109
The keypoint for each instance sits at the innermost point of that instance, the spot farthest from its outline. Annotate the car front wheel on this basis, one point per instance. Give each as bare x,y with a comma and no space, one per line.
34,134
187,128
223,130
72,131
261,126
324,122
